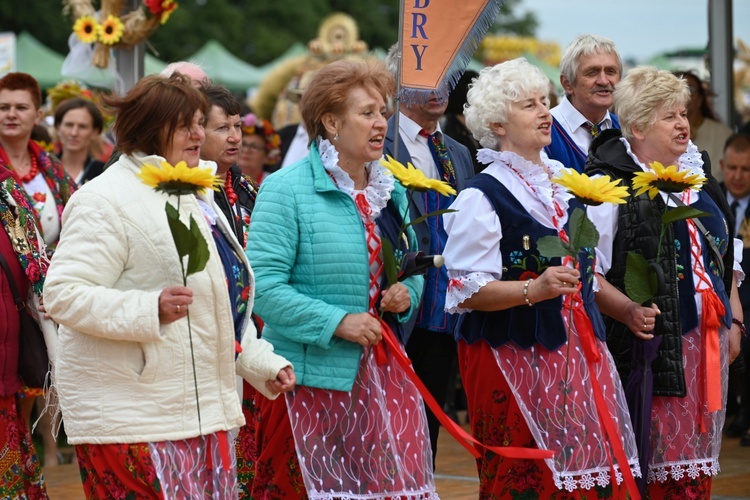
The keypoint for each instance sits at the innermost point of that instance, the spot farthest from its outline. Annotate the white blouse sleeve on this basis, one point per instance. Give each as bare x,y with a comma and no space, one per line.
472,252
604,218
739,274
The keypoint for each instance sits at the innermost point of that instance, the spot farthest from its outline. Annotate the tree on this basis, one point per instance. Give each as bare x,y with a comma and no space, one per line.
509,24
256,32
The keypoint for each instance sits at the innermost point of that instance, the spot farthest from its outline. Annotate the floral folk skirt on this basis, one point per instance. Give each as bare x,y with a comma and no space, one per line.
196,468
20,470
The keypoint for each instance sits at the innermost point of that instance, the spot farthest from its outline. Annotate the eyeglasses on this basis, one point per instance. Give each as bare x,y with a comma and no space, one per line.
250,145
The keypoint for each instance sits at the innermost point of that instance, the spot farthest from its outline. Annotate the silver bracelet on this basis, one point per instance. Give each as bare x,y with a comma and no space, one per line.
526,292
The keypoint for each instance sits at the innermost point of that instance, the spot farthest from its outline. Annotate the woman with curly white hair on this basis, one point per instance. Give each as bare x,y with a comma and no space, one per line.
531,345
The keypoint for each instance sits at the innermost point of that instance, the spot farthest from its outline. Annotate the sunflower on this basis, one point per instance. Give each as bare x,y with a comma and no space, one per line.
667,179
413,178
179,179
592,191
110,31
86,29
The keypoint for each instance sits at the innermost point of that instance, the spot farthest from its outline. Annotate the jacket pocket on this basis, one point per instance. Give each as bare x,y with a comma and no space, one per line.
150,363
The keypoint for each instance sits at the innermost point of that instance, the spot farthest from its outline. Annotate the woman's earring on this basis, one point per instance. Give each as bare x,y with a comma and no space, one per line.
336,136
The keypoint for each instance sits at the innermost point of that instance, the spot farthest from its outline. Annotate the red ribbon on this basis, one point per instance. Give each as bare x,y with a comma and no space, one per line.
460,435
592,355
713,311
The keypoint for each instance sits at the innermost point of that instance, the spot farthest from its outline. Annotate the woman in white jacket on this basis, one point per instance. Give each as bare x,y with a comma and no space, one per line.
146,418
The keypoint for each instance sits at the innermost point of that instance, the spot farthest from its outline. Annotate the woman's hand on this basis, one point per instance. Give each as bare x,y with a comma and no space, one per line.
284,382
735,342
641,320
173,303
361,328
553,282
43,309
395,299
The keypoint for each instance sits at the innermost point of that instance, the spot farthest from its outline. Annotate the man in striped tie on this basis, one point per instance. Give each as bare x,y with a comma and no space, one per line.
590,68
429,334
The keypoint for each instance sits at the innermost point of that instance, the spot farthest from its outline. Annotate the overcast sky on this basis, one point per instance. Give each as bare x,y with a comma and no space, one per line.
640,28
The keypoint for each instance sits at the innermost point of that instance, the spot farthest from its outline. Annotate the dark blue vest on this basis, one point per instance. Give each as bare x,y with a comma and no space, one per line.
523,325
564,149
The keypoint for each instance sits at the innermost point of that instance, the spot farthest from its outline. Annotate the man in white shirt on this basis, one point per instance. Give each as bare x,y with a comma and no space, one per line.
590,68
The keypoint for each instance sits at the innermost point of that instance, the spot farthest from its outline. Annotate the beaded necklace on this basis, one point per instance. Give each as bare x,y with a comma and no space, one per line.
555,211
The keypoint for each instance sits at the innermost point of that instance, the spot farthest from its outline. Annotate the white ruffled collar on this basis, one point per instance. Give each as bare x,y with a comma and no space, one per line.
380,182
690,160
536,179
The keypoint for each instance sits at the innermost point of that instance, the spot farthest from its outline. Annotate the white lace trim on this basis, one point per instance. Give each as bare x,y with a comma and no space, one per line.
537,180
380,182
406,495
680,470
588,480
690,160
461,286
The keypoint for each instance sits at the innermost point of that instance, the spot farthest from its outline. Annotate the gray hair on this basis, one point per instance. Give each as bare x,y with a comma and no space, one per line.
585,45
642,93
392,60
494,90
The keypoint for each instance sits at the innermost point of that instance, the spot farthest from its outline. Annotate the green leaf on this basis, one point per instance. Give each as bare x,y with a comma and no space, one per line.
389,262
583,232
180,232
682,213
640,280
552,246
198,250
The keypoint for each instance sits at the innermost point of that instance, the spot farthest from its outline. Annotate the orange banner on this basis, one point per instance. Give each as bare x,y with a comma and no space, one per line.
438,39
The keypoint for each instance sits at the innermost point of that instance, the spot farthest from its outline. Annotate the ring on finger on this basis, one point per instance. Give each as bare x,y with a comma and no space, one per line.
178,308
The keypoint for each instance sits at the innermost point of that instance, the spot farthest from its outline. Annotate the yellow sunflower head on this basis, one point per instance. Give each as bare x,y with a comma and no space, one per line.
86,29
592,191
667,179
110,31
179,179
413,178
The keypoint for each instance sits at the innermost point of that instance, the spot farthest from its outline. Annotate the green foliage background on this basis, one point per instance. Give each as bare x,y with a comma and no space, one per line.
256,31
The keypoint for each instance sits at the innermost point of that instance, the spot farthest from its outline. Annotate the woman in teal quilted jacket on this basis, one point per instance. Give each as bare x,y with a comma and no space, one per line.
356,423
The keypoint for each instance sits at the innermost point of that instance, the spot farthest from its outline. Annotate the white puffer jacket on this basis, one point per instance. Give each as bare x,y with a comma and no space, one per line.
121,376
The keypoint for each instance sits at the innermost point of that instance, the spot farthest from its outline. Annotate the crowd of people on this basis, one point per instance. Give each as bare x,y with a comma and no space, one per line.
290,365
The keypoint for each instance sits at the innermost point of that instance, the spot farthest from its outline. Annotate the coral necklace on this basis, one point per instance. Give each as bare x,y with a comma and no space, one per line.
33,172
229,190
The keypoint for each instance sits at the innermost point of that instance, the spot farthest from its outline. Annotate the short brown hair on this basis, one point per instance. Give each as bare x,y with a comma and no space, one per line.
23,81
329,89
62,109
155,107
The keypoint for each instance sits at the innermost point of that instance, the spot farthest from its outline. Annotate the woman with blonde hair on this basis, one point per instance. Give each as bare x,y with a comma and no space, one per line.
689,334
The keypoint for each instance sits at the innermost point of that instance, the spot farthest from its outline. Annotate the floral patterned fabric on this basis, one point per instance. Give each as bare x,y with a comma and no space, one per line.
20,471
191,468
496,419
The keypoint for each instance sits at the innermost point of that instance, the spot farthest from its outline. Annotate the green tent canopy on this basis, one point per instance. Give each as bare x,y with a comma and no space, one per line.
552,72
224,68
34,58
45,65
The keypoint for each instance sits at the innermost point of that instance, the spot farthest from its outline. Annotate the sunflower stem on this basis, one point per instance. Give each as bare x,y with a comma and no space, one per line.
190,336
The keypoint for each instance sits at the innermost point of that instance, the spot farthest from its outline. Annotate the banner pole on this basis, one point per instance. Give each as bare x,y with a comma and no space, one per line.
399,58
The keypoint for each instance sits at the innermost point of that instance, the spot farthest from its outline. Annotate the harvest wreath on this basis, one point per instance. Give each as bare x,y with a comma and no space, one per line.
114,30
